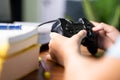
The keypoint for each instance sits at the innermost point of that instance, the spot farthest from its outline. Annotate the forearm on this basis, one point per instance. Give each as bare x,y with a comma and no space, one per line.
110,68
106,68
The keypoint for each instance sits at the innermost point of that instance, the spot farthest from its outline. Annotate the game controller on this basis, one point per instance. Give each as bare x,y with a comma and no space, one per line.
68,28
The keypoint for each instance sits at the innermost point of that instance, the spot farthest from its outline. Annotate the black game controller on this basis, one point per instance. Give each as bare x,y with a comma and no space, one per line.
69,28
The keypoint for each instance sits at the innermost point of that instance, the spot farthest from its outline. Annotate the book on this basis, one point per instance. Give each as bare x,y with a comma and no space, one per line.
19,50
12,41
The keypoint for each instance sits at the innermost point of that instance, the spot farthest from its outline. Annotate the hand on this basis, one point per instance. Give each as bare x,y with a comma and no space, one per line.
107,35
63,48
66,51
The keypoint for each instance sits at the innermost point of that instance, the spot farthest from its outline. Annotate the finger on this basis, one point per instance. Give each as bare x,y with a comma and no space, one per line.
95,23
98,27
103,26
80,35
48,57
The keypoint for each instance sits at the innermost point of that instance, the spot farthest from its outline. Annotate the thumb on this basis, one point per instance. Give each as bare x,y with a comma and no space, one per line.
80,35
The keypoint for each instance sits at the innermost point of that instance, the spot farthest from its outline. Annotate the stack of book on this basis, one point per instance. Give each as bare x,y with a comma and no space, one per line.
19,51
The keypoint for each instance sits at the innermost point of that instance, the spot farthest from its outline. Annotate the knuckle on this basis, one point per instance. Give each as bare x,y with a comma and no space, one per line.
102,23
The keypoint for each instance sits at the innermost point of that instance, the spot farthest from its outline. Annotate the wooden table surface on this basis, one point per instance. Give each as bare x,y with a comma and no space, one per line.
56,70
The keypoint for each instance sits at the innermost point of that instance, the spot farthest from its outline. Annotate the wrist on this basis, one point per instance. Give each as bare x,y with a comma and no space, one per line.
71,58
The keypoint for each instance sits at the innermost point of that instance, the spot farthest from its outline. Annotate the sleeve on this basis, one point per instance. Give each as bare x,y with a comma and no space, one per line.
114,51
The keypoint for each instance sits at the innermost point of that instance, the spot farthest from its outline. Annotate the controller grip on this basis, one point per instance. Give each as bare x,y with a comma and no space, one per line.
93,49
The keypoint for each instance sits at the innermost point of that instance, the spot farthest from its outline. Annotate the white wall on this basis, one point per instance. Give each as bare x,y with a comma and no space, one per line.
43,10
52,9
30,10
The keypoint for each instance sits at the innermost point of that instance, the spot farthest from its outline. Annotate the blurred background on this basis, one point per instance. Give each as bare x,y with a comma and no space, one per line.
107,11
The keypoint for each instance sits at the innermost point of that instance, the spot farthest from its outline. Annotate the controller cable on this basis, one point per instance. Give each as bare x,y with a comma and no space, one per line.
47,22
